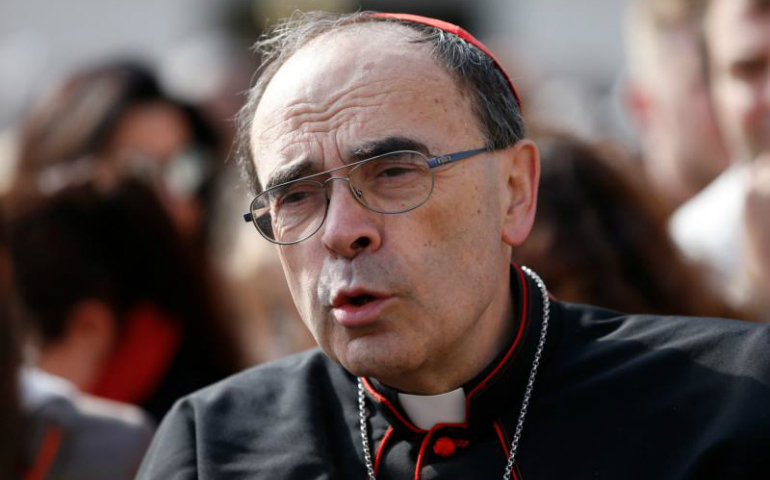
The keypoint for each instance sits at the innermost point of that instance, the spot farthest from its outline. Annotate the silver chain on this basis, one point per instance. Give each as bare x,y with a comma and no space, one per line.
362,413
364,431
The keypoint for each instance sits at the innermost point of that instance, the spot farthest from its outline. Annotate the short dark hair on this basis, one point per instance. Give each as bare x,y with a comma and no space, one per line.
491,95
114,244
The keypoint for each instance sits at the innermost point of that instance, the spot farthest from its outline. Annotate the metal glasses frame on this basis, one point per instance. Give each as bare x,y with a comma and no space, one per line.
432,162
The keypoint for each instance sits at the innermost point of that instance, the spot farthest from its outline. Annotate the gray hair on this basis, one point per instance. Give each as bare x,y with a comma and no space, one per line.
477,76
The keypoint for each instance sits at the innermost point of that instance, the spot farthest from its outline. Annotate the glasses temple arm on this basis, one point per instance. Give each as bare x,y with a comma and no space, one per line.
455,157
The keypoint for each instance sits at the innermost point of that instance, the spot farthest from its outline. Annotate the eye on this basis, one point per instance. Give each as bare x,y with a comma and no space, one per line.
296,195
749,69
397,164
395,170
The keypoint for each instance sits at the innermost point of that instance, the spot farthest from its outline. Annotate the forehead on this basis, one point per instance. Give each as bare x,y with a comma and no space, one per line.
358,85
736,27
157,127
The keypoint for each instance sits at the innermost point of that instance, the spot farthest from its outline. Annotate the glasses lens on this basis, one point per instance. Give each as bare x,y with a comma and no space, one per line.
290,213
393,183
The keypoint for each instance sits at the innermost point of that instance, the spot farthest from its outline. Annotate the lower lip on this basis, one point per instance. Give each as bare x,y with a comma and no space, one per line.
352,316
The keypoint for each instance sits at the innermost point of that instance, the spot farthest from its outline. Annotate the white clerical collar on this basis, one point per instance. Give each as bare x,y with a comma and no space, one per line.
425,411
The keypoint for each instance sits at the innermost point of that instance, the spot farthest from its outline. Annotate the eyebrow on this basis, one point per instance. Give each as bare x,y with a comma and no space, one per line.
294,171
306,167
385,145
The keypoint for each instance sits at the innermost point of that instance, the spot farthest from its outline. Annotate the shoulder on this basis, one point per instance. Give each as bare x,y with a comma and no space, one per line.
48,397
668,329
290,379
702,384
731,347
273,396
97,433
259,420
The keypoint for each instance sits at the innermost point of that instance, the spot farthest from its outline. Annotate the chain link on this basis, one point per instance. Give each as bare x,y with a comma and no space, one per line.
532,372
364,430
362,413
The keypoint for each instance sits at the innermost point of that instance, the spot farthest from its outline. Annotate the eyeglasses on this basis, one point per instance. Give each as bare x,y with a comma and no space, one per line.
392,183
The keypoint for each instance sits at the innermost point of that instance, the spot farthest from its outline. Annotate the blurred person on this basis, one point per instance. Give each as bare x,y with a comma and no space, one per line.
668,97
599,238
738,40
51,430
10,361
8,157
70,435
728,224
267,323
390,167
120,306
117,115
10,412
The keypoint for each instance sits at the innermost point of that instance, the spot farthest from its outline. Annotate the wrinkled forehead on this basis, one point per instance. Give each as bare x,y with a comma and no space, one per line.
354,79
374,52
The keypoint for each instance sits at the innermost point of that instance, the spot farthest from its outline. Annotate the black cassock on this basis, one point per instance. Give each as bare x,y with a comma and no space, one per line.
617,397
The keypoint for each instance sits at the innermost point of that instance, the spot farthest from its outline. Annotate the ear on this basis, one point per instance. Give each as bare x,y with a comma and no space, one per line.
521,172
638,104
89,335
92,324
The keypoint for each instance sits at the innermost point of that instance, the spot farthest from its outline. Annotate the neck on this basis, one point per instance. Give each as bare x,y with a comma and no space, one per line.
78,367
469,356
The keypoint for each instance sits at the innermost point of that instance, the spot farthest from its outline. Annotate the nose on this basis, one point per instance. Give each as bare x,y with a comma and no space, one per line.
349,228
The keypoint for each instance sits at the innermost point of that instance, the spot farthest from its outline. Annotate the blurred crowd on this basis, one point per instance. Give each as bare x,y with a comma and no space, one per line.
128,277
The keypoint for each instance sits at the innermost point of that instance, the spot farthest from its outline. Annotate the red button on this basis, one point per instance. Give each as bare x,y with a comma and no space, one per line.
444,447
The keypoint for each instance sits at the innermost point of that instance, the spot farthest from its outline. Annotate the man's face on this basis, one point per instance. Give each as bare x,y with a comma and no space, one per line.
738,37
684,150
437,274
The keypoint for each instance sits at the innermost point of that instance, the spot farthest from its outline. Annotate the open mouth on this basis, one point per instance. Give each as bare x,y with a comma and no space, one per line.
359,300
359,307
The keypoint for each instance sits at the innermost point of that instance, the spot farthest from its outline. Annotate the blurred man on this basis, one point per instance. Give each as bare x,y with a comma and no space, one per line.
668,97
738,39
728,225
394,176
49,428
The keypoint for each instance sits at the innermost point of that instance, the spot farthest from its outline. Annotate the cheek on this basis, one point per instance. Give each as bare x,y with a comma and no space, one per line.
301,274
739,100
749,105
459,236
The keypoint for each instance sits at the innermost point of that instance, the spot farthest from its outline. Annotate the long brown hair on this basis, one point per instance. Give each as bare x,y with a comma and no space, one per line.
600,237
78,119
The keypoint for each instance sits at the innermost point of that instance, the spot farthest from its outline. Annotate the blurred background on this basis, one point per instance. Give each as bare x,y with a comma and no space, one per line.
566,56
128,275
197,44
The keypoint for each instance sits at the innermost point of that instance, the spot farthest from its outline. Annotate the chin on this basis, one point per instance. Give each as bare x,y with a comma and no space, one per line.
368,359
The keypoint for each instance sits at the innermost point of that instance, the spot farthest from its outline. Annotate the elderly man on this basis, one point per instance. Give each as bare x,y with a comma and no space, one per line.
394,177
728,224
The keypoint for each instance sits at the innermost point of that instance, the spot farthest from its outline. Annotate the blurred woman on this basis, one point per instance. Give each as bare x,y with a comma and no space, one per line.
600,238
115,119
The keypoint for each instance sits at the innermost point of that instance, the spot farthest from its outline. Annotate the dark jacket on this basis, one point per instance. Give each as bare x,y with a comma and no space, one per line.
616,397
